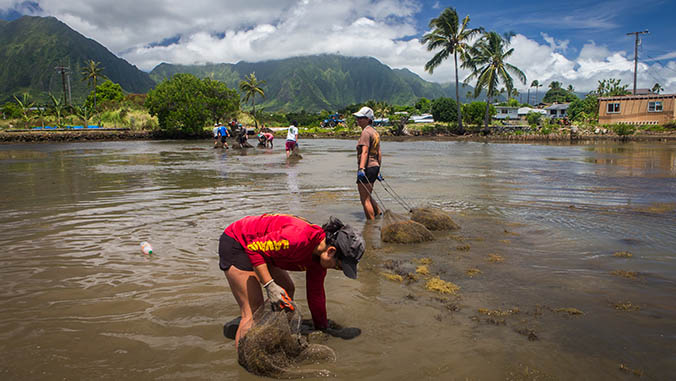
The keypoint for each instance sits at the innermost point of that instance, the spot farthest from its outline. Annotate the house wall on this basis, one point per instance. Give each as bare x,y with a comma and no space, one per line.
512,113
635,111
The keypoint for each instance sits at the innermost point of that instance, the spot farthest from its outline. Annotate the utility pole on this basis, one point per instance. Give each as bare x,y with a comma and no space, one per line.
64,70
636,34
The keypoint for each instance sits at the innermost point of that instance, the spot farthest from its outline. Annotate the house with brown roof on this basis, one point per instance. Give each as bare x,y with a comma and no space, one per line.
638,109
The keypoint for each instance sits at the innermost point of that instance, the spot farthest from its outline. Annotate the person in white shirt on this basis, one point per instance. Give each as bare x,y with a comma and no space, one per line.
291,138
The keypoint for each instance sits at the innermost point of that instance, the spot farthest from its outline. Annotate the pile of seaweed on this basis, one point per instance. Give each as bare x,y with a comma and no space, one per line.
295,154
399,229
433,218
274,347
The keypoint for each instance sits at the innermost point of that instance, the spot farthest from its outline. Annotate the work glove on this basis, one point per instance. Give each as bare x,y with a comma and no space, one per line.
361,176
278,297
380,177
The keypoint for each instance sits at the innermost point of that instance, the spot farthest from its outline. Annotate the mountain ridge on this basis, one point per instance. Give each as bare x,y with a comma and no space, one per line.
33,46
319,82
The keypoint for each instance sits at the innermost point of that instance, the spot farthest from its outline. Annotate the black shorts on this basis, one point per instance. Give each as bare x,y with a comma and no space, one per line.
371,174
231,253
223,138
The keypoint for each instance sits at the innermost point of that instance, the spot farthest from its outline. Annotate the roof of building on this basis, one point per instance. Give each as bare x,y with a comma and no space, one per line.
630,97
643,92
526,110
558,106
507,107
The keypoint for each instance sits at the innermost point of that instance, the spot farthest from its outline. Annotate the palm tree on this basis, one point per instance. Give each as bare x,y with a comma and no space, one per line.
450,37
84,113
25,104
251,86
92,72
571,89
657,88
381,109
486,59
555,85
58,109
537,85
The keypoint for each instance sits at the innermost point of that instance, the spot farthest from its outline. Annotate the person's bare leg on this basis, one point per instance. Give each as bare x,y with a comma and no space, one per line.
247,291
365,198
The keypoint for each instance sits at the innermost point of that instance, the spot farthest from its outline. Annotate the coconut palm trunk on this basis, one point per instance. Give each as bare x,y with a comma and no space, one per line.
457,91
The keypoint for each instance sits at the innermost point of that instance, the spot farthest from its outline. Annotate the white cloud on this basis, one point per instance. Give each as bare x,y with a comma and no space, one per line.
235,30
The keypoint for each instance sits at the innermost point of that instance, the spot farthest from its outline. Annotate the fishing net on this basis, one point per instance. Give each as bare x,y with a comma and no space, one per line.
433,218
274,347
399,229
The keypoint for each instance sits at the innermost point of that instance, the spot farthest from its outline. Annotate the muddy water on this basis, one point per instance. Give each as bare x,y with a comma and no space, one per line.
540,223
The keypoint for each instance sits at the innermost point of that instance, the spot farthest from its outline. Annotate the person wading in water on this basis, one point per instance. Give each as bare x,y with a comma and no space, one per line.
369,159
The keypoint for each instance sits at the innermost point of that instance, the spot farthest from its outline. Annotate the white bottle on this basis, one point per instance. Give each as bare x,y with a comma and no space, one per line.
146,248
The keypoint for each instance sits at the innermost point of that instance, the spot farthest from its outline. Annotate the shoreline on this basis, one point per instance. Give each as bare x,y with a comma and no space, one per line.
113,134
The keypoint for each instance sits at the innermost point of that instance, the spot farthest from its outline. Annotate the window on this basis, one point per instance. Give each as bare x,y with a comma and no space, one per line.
552,112
654,106
613,108
504,111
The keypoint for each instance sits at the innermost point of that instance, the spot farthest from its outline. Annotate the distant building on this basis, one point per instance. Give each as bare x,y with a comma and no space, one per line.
643,92
524,111
423,118
506,112
637,109
557,110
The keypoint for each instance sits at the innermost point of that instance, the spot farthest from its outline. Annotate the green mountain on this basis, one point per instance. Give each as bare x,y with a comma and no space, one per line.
31,48
320,82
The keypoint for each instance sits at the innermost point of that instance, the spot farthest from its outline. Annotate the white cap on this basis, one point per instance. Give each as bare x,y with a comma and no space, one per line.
364,112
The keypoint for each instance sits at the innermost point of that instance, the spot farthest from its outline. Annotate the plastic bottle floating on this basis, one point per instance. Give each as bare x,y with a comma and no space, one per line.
146,248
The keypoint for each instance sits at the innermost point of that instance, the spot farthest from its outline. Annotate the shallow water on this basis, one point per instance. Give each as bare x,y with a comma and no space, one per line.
80,301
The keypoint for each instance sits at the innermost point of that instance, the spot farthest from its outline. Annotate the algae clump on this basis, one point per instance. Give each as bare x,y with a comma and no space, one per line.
274,347
466,247
393,277
422,270
433,219
441,286
424,261
627,306
569,311
625,274
406,232
495,258
623,254
473,272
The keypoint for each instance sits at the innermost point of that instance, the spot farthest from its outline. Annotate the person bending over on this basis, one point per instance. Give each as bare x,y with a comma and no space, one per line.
258,251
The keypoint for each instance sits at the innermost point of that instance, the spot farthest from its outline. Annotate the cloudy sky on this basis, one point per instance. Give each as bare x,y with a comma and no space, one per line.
575,42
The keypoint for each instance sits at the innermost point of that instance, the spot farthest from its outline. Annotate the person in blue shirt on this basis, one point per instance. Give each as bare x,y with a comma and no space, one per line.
224,134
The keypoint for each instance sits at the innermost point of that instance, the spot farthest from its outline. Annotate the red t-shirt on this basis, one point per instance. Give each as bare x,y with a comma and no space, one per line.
287,242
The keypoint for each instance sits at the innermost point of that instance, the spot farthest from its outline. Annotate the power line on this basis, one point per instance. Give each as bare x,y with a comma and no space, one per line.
665,65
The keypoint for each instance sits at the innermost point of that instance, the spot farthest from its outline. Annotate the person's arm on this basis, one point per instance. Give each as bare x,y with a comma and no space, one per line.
363,157
263,273
316,298
380,157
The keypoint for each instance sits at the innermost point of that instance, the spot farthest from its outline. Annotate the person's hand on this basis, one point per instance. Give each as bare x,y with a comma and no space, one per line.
361,176
278,296
380,177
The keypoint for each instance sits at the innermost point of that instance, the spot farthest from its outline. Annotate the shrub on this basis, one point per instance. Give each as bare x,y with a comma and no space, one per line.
623,130
670,125
533,118
444,110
